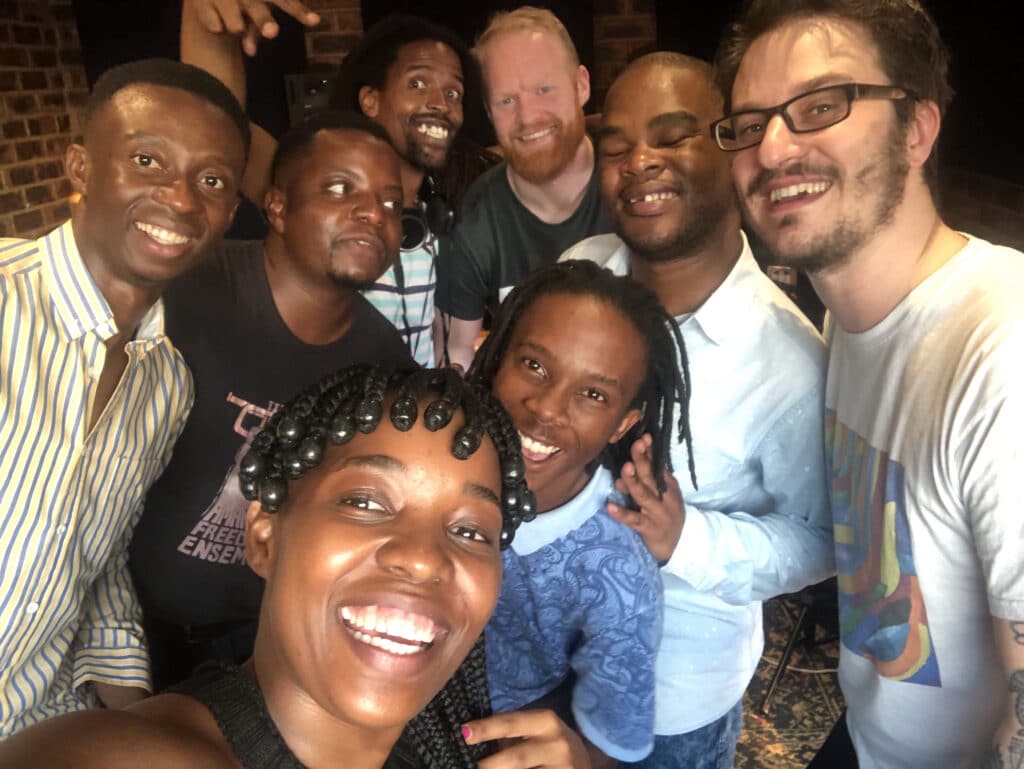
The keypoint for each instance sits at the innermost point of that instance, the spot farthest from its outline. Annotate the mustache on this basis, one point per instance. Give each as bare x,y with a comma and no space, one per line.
768,175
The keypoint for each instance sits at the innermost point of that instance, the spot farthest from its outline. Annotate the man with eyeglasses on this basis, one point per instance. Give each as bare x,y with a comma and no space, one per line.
759,524
834,113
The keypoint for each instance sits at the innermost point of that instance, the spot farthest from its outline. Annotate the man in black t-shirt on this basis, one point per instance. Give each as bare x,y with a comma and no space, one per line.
256,323
524,213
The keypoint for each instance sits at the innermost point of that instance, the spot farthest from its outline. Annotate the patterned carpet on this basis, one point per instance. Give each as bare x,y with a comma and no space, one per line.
804,706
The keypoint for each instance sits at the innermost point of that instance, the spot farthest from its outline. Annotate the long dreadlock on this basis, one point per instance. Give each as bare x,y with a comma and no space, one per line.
667,384
349,402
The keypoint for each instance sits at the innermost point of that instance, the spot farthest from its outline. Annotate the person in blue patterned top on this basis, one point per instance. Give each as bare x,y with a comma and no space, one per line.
587,365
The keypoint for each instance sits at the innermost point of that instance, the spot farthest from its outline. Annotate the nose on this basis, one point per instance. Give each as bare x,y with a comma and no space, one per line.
642,160
368,209
418,557
177,194
549,405
779,145
434,99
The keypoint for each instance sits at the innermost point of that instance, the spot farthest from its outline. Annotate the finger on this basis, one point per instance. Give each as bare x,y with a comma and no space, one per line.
531,754
231,15
516,723
643,493
634,519
209,18
261,18
642,455
299,11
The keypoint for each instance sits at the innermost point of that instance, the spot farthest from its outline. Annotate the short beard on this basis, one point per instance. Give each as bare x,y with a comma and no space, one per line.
542,166
704,219
347,283
885,176
423,161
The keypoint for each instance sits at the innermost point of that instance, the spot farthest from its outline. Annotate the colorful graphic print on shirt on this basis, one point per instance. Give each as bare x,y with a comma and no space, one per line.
881,609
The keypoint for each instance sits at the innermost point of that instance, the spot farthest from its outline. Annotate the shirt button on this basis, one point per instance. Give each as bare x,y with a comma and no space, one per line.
32,608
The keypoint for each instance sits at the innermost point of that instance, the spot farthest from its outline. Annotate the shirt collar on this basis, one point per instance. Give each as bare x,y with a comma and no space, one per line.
79,302
721,312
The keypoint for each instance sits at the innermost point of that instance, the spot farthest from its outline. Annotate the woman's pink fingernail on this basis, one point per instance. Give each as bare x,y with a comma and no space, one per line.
466,732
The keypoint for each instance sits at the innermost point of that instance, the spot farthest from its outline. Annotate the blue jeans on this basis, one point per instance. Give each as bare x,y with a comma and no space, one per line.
710,747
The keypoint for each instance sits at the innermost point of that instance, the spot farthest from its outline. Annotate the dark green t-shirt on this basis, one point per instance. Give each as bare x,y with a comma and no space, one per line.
498,241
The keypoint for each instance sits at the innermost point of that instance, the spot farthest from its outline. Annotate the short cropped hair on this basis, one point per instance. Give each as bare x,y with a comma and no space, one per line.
527,18
172,74
369,62
298,139
910,49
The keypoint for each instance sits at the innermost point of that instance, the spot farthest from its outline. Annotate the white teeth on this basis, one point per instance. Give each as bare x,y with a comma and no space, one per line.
795,190
433,131
650,198
406,632
536,447
162,236
536,134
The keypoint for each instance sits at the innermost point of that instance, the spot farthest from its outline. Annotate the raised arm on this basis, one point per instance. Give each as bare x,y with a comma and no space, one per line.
214,34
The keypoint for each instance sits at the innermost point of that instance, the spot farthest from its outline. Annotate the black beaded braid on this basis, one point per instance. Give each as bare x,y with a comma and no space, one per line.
667,383
351,401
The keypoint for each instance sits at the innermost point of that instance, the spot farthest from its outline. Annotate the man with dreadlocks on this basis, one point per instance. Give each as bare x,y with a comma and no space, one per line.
381,502
759,525
585,362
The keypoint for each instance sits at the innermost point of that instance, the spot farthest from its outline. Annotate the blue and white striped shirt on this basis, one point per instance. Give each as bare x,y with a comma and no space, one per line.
411,309
70,497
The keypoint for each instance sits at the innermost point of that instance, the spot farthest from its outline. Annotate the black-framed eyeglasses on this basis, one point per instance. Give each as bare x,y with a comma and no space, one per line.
808,112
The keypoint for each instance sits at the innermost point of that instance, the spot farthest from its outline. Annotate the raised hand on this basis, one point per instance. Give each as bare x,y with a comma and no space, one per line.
659,521
249,19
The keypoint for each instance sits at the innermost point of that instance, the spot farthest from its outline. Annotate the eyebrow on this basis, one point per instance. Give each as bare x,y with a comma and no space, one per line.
427,68
604,379
139,136
822,81
389,464
664,120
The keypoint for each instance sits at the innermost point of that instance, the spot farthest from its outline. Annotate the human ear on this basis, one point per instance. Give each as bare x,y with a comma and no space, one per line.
274,204
369,101
260,530
631,418
76,165
582,85
923,132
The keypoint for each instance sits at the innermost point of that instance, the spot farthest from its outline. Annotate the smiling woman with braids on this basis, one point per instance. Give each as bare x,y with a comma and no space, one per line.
380,505
594,374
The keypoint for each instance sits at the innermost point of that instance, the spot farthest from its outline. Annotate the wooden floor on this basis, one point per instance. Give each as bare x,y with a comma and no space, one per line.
804,706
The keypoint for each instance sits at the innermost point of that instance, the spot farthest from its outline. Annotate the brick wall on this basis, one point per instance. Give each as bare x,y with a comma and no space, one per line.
42,88
622,30
341,24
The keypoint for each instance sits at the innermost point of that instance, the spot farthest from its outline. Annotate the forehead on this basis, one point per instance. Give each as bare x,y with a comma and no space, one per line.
525,54
585,332
647,92
358,150
160,110
803,54
427,55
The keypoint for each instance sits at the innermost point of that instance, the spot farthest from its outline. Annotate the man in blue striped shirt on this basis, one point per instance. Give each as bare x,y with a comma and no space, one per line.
92,393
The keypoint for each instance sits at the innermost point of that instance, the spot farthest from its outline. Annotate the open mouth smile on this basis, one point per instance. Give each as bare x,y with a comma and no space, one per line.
162,235
389,629
796,191
535,450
